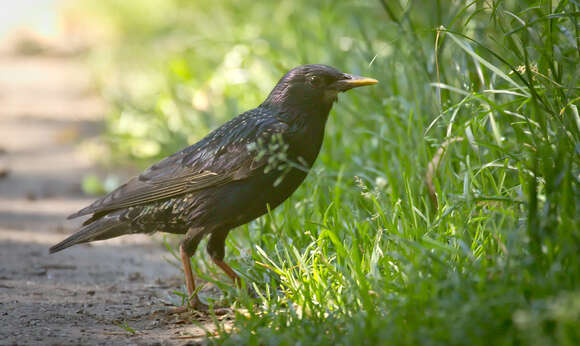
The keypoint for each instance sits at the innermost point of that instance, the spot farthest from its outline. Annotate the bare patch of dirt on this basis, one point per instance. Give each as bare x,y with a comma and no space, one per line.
113,292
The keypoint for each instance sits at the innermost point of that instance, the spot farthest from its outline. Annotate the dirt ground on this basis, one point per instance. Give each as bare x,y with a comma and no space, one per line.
112,292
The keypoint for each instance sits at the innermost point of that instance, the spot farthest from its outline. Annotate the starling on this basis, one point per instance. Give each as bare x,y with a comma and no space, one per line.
232,176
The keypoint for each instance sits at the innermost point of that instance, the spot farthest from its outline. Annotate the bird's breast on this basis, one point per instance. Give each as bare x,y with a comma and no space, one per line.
306,144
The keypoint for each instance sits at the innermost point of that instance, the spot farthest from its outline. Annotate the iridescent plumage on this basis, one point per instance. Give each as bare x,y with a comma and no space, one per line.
224,180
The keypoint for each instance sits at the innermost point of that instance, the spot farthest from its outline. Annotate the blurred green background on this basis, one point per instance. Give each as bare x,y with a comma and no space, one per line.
443,208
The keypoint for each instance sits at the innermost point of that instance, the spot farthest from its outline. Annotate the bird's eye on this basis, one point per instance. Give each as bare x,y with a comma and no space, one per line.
316,81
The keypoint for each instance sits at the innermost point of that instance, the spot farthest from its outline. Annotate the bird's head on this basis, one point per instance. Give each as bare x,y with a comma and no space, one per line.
313,88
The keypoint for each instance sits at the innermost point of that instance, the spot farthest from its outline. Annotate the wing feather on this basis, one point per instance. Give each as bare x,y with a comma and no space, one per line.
219,158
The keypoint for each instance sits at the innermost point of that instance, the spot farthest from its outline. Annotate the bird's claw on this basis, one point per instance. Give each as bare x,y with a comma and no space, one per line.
194,305
197,305
252,292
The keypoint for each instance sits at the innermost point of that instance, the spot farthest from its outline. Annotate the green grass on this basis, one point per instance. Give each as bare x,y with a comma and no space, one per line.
362,253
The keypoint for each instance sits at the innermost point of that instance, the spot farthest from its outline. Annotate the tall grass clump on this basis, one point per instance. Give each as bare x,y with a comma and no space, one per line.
443,206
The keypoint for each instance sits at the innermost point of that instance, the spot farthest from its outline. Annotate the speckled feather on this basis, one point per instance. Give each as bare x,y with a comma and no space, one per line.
220,157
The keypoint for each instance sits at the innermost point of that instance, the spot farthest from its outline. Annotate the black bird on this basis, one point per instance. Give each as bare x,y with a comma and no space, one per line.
226,179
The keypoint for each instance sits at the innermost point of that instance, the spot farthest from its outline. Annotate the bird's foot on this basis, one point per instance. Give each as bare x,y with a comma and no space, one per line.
197,305
200,309
194,305
252,292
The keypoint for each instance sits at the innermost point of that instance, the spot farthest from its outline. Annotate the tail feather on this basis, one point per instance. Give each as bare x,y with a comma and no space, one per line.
101,229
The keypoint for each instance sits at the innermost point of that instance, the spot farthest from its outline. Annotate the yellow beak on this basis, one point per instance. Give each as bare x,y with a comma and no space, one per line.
351,81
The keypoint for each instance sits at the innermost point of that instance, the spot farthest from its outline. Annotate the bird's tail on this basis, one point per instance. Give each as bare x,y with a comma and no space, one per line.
104,228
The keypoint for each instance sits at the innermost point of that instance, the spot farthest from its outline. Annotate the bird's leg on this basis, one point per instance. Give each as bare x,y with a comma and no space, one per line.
217,249
228,270
187,248
189,281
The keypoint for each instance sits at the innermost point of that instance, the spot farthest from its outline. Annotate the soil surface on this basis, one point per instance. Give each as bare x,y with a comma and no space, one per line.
112,292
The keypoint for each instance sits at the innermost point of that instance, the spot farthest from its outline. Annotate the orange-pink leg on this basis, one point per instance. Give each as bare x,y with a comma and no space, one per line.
229,271
194,301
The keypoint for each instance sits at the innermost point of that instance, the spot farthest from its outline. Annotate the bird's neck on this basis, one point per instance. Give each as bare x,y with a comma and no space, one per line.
307,127
301,114
299,105
303,120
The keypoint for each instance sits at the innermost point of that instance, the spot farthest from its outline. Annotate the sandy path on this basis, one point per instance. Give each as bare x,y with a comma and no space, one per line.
85,294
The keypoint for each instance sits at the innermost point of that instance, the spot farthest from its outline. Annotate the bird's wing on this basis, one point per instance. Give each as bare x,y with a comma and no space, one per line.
219,158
